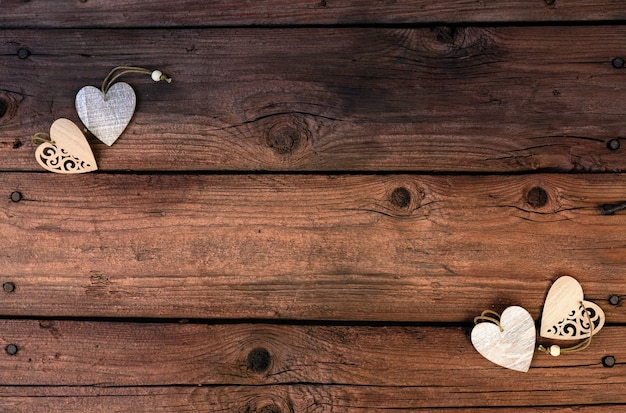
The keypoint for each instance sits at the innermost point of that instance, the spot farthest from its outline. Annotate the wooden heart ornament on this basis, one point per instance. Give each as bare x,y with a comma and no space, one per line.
566,315
106,117
510,344
67,152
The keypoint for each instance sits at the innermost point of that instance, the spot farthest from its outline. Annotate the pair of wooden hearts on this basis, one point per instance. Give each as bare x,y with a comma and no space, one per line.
566,316
106,118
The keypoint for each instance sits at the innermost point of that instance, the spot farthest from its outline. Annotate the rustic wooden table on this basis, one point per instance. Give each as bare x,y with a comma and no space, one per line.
310,215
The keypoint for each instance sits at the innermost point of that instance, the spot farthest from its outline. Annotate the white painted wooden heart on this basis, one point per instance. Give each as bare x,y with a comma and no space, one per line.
513,347
565,312
68,152
106,119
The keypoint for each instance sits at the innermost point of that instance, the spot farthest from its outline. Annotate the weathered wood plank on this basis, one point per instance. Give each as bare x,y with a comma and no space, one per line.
429,366
319,99
415,362
123,13
275,399
397,247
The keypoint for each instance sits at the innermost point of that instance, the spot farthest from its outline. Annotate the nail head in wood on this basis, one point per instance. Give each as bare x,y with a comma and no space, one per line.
550,2
614,299
8,287
618,63
401,197
11,349
537,197
23,53
613,144
608,361
259,360
16,196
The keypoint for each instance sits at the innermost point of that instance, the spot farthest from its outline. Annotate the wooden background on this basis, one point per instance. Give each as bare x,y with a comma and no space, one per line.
310,215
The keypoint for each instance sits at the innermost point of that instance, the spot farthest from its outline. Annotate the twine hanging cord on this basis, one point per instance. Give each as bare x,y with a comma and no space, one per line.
485,317
119,71
42,137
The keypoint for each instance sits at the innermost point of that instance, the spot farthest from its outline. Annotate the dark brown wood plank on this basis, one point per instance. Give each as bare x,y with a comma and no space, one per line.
124,13
320,99
274,398
397,247
426,366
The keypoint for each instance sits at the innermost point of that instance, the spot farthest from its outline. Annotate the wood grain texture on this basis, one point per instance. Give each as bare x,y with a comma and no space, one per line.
240,399
395,367
324,99
124,13
397,247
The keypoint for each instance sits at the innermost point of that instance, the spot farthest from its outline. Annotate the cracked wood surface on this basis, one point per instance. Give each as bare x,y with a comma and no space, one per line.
194,13
389,248
272,398
477,99
348,367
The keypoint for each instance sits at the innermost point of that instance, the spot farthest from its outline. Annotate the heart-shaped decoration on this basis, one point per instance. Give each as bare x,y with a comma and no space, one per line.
566,315
509,345
68,152
106,118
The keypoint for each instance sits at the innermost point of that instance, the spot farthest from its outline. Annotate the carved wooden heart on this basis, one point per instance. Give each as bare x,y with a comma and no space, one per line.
564,313
513,347
68,152
106,119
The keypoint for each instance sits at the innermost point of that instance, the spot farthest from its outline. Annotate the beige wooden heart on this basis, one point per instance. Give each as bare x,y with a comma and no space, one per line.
68,152
513,346
106,118
566,315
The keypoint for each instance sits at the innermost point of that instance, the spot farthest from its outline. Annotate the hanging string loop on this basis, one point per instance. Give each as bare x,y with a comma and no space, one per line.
42,137
119,71
491,316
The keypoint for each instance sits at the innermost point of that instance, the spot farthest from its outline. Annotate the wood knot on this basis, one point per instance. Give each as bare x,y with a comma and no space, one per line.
259,360
537,197
286,134
462,46
400,198
404,199
285,139
9,102
4,107
445,34
267,403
